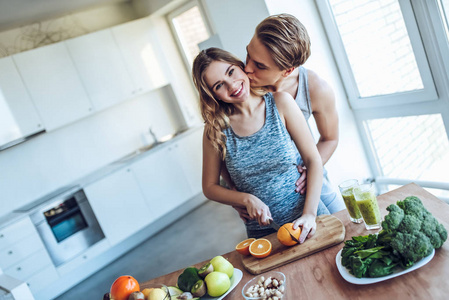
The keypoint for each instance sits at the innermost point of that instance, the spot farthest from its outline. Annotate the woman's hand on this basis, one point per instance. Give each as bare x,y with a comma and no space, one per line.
243,213
301,183
258,210
308,224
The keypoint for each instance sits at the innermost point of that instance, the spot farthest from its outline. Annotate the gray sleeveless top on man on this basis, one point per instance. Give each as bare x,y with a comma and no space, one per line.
263,164
332,200
302,96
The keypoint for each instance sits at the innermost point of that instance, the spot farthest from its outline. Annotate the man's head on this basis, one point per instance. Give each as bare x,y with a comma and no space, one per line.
280,44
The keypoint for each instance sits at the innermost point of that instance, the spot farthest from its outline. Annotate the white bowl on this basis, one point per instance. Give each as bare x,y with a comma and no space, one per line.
274,274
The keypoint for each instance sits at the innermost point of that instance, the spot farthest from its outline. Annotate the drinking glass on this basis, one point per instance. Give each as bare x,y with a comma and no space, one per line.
367,203
346,190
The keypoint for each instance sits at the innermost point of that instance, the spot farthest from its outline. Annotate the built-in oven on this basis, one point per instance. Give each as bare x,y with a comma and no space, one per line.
67,225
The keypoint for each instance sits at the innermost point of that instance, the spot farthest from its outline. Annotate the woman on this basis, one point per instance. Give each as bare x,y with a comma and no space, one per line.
253,135
275,55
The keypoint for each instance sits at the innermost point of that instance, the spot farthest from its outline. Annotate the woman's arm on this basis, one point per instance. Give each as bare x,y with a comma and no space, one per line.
212,190
299,131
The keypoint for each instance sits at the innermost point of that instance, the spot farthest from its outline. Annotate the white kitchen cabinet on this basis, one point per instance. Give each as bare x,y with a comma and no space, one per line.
142,55
18,115
162,180
24,256
119,205
54,84
190,158
101,67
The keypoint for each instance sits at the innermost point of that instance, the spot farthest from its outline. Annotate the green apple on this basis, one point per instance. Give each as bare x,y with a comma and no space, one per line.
217,283
222,265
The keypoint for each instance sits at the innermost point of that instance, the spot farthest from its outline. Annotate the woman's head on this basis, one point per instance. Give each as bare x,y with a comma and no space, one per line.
280,43
218,74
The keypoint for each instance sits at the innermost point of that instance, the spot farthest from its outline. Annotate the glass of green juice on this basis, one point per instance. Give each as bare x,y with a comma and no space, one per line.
346,190
367,203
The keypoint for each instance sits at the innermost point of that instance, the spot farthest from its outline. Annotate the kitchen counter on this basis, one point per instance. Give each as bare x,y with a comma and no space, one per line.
317,277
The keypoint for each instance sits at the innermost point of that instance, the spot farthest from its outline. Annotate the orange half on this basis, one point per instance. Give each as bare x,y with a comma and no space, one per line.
260,248
243,246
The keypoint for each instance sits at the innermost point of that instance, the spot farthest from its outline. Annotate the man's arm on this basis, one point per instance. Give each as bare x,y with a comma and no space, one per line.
324,111
326,118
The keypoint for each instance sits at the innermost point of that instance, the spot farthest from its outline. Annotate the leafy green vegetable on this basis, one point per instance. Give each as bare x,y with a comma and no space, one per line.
409,233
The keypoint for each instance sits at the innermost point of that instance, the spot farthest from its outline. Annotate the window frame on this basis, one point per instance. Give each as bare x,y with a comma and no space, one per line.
427,33
176,12
428,93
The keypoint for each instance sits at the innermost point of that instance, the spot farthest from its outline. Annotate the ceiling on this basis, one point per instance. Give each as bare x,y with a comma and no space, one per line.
15,13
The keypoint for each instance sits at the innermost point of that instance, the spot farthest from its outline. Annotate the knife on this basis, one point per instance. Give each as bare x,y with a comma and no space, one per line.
276,227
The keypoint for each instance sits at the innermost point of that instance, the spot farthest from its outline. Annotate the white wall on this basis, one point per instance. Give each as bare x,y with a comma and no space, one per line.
234,21
349,160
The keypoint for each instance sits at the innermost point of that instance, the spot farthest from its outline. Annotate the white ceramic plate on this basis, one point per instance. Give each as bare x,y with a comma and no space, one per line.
235,279
398,272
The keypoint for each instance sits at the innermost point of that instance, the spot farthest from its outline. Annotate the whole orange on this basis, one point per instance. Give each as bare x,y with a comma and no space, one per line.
284,236
123,287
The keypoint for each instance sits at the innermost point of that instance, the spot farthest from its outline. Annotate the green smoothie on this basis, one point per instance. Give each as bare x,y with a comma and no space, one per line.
351,204
367,204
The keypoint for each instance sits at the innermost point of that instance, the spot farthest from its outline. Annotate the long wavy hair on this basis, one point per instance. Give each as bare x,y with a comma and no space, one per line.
214,111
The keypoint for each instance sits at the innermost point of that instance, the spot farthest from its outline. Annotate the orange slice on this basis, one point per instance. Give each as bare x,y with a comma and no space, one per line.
243,246
260,248
284,236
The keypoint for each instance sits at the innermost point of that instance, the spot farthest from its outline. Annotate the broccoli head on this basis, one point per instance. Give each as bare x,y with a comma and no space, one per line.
410,224
394,217
412,247
412,205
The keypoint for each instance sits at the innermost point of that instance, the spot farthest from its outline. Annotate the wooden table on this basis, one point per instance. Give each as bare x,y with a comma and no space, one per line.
317,277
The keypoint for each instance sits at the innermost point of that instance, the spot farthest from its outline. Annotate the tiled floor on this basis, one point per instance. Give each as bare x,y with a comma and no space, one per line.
209,230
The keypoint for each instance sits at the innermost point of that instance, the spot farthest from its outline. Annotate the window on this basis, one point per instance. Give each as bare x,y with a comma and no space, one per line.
393,59
190,28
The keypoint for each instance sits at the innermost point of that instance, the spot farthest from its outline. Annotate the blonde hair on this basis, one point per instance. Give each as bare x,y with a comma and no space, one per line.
286,38
214,111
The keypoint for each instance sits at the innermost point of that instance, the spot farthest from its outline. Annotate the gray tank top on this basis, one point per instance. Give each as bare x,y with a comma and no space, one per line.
262,164
303,96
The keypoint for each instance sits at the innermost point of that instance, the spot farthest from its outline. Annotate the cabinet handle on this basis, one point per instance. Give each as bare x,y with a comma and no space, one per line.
1,236
84,256
10,252
19,269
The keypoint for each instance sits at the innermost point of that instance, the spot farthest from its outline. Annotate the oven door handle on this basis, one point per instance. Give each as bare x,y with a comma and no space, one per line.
55,220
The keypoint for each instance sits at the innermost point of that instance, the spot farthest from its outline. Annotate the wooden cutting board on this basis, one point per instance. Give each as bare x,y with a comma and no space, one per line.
330,231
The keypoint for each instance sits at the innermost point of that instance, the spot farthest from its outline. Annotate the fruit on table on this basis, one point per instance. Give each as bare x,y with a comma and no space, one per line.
222,265
136,296
260,248
123,287
199,289
173,290
145,292
206,269
158,294
217,283
188,278
284,236
243,246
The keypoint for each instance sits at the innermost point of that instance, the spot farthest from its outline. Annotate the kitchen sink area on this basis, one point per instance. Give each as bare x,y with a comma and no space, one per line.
159,142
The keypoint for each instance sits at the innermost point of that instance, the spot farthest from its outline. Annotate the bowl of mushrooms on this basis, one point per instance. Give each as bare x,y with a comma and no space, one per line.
268,286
